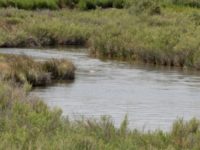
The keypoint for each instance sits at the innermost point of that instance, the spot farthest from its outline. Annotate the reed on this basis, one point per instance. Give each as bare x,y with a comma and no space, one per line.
160,33
23,70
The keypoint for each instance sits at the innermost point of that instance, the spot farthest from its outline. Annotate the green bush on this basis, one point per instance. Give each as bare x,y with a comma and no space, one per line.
55,4
67,3
118,3
104,3
86,4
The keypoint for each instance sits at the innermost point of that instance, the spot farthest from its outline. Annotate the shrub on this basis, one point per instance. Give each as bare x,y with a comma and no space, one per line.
86,4
55,4
104,3
118,3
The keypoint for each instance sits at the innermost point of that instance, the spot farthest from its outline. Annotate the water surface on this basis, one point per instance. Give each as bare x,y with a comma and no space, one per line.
151,97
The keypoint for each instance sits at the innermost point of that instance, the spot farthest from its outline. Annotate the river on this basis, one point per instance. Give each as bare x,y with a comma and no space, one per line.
152,97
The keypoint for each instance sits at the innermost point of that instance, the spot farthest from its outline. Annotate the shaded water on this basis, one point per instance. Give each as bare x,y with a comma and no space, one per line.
153,98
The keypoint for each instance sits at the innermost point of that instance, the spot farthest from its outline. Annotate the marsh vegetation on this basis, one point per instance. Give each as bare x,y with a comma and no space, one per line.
146,31
25,70
27,123
150,31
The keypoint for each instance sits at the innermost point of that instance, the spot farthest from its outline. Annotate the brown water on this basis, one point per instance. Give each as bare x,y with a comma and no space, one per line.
151,97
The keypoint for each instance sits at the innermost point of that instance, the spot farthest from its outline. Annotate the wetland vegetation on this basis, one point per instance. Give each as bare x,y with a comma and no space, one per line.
24,70
163,32
27,123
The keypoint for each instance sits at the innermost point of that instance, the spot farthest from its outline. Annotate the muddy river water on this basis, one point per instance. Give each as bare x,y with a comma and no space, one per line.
152,97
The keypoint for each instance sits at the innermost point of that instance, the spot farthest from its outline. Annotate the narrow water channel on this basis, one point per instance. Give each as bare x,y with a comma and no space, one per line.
151,97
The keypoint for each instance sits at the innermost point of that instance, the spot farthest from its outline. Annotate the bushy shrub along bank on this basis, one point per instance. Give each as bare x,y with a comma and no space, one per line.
55,4
23,70
28,123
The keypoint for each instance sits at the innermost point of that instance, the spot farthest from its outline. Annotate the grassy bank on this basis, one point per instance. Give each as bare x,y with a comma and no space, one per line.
158,33
24,70
28,123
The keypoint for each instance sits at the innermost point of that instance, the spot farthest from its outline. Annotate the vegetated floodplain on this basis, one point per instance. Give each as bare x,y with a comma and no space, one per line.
163,33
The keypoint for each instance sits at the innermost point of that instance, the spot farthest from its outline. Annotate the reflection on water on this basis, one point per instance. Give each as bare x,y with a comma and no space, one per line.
152,97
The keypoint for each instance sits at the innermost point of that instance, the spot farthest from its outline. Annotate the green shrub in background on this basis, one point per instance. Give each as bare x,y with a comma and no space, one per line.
30,4
191,3
55,4
87,4
92,4
104,3
119,3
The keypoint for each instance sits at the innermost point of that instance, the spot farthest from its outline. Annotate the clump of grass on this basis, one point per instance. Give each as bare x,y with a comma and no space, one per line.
23,69
60,69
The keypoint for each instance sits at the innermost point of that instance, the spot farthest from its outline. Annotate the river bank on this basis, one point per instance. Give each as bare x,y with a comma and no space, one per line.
169,37
27,123
140,91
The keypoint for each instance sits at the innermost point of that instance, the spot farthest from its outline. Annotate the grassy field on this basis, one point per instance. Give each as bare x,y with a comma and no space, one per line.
25,71
28,123
149,32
